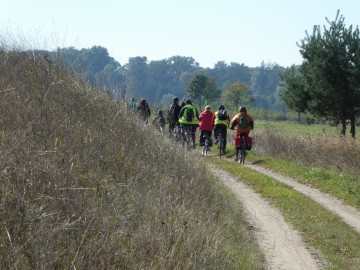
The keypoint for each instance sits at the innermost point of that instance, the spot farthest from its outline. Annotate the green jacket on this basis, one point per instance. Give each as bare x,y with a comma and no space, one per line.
183,113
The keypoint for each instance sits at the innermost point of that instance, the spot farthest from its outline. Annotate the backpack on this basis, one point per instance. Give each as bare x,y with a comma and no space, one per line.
243,122
222,115
189,114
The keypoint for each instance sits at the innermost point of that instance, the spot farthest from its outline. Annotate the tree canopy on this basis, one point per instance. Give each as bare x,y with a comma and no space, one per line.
328,82
236,94
203,87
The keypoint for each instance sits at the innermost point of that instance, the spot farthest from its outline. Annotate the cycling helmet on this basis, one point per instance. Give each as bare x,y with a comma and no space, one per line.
207,107
160,112
242,109
176,99
221,107
188,101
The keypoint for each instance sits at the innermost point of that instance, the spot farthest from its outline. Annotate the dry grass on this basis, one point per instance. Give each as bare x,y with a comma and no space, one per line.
85,186
322,150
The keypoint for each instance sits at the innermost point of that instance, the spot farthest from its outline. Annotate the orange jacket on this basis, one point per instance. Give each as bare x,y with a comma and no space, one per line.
236,120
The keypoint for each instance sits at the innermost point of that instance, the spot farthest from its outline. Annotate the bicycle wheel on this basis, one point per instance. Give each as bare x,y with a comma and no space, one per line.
184,136
206,147
242,153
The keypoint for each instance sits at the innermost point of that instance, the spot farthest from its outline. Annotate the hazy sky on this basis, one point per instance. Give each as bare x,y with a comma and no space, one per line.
238,31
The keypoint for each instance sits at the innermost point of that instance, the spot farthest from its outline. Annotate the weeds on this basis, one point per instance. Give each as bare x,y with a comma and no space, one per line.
85,185
325,151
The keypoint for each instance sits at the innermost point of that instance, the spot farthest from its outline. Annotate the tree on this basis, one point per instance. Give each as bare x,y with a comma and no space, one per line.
295,95
136,73
202,87
331,72
237,93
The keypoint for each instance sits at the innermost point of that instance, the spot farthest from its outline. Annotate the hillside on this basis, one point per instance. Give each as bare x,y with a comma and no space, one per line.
85,185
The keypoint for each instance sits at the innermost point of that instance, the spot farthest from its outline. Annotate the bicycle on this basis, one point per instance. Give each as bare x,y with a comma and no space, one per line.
242,150
176,133
206,147
221,143
187,135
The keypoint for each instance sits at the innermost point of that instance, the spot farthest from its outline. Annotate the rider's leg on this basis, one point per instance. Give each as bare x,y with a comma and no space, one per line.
216,131
193,133
236,158
202,137
224,132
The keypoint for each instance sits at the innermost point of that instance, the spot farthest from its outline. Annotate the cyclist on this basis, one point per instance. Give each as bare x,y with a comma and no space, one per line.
244,123
133,104
205,125
159,121
189,119
173,115
144,110
221,121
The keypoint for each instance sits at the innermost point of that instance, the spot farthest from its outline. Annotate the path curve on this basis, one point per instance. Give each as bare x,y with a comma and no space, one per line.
349,214
281,244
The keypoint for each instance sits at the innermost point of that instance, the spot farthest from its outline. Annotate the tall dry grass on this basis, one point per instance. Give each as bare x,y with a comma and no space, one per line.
335,152
85,185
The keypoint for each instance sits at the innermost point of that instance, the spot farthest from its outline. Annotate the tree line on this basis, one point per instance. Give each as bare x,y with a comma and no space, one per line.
160,80
326,85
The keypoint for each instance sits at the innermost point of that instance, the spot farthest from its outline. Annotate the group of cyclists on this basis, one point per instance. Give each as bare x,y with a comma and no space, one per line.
185,118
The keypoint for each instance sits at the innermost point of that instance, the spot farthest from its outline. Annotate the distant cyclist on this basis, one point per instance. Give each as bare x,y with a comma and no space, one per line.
159,121
144,110
221,121
133,104
173,115
189,119
243,123
205,125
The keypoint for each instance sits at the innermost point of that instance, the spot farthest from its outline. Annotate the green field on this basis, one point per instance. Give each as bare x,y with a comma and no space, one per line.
292,128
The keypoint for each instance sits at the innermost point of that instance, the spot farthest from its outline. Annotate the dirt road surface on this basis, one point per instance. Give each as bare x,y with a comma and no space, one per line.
281,244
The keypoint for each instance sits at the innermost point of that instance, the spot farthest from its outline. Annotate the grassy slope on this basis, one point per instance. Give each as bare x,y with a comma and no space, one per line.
84,185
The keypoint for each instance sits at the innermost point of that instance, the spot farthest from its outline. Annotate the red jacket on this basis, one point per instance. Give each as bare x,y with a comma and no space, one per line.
205,120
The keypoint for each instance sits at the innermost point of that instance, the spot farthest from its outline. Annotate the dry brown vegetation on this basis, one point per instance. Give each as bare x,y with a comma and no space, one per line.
84,186
334,152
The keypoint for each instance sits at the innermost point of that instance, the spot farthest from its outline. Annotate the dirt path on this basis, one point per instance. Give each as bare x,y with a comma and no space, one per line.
350,215
281,244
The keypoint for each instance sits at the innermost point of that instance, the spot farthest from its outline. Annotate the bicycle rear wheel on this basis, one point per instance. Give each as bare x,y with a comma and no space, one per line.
242,153
220,145
206,147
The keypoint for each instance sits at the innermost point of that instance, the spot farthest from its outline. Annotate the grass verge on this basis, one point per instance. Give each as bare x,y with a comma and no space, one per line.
339,244
337,183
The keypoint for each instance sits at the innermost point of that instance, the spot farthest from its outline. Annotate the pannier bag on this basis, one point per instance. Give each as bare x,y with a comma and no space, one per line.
248,141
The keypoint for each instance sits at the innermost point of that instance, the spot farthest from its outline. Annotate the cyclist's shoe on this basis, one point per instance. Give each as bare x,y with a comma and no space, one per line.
236,158
224,152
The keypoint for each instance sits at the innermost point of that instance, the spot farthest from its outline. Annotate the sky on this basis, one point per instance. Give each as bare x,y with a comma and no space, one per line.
247,32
